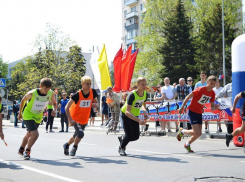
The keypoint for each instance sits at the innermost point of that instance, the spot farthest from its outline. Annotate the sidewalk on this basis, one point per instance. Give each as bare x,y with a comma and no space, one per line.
98,128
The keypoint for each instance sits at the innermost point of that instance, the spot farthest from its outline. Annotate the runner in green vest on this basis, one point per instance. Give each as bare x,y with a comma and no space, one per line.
130,113
33,112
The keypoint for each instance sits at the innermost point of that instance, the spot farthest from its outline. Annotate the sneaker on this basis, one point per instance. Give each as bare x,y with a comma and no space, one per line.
51,131
73,151
206,130
228,138
101,125
179,135
66,149
61,131
188,148
46,131
169,130
66,130
122,152
26,155
21,152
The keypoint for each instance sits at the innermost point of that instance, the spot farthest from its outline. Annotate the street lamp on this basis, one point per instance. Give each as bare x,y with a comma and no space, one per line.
223,33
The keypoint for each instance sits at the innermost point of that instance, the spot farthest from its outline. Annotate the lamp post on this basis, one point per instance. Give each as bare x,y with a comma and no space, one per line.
223,33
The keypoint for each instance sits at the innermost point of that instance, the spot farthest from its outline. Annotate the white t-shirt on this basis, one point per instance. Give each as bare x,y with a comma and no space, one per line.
168,91
217,90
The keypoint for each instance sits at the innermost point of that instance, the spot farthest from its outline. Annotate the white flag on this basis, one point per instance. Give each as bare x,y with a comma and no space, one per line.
95,68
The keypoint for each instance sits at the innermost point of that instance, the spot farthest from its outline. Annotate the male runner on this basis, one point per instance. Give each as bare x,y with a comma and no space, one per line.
1,119
130,113
78,112
201,96
242,115
33,113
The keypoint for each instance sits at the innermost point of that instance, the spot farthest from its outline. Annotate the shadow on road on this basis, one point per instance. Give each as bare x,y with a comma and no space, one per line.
10,166
102,160
58,163
157,159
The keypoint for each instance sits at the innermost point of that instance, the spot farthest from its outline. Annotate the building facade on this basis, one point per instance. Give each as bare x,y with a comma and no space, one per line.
132,17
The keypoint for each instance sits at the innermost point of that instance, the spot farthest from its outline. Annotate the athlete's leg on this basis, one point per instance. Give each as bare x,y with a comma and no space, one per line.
239,130
72,139
51,123
32,139
197,132
25,139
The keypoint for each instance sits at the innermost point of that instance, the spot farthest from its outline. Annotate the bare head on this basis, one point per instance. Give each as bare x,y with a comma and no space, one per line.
203,75
211,81
45,85
86,82
166,81
141,83
182,82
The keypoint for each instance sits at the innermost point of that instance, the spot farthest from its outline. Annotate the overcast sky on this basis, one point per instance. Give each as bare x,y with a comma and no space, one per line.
88,22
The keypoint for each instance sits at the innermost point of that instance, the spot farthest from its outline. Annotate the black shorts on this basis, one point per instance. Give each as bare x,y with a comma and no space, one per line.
79,130
195,118
92,113
31,125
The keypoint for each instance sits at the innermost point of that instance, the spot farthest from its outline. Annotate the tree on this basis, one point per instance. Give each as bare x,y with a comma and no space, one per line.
3,68
178,49
210,44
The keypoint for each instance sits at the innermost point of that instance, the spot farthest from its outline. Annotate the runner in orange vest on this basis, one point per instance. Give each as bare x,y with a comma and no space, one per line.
78,113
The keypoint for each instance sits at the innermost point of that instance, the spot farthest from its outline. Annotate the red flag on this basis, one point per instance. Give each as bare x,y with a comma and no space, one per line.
131,68
117,70
125,68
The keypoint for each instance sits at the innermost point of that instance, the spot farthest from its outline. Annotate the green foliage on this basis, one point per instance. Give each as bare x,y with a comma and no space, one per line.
178,50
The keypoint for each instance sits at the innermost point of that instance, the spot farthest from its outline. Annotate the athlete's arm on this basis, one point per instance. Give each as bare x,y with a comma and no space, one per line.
213,106
144,110
55,105
185,102
131,116
27,97
95,102
68,105
238,96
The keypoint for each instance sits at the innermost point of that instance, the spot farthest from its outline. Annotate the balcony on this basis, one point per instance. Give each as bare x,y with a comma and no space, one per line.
130,2
129,27
132,14
130,41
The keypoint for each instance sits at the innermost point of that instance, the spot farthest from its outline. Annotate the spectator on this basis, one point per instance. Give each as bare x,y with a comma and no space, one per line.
122,102
217,87
226,92
182,91
63,118
104,107
203,81
190,83
158,94
167,94
135,87
114,108
50,117
15,110
92,116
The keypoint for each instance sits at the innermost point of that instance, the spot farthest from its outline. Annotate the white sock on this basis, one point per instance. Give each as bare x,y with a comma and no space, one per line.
183,131
187,144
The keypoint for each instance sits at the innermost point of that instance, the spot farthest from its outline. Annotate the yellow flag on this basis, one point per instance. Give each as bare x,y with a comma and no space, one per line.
104,70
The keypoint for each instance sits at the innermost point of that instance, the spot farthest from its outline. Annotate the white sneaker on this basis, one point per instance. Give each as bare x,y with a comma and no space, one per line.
206,131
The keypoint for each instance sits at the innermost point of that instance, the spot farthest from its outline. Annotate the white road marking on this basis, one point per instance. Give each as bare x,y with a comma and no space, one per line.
242,161
40,171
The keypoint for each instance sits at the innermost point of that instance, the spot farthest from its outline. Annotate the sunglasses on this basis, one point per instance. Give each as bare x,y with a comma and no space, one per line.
189,80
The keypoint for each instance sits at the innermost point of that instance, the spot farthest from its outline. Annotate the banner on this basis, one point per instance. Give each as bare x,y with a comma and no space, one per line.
117,70
95,68
125,68
168,111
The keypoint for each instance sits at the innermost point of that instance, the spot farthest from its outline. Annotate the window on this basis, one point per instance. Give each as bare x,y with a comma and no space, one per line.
132,34
142,6
125,13
133,9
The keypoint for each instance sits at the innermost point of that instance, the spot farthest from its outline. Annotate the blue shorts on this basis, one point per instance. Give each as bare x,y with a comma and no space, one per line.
195,118
105,111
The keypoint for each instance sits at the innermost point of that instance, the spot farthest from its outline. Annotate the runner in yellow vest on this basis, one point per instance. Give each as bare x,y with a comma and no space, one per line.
130,113
33,112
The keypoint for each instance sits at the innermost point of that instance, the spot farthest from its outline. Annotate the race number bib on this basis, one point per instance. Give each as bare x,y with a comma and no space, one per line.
39,106
138,104
204,99
85,103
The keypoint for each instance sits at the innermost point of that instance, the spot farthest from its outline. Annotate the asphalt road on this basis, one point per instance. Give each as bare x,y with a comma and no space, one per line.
151,158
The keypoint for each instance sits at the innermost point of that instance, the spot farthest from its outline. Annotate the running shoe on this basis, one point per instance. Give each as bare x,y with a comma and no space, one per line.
122,152
206,130
66,149
73,151
188,148
21,152
26,155
228,138
51,131
179,135
46,131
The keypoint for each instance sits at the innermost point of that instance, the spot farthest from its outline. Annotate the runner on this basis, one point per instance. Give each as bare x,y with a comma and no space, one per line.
201,96
78,112
242,114
130,113
33,113
1,119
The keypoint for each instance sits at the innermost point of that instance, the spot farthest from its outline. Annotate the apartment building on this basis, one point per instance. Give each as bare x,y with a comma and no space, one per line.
132,17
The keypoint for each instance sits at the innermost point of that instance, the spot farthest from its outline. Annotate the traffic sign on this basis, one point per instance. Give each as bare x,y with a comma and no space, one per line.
2,82
56,91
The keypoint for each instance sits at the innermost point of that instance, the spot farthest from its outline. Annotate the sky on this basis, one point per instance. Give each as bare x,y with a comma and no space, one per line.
88,22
